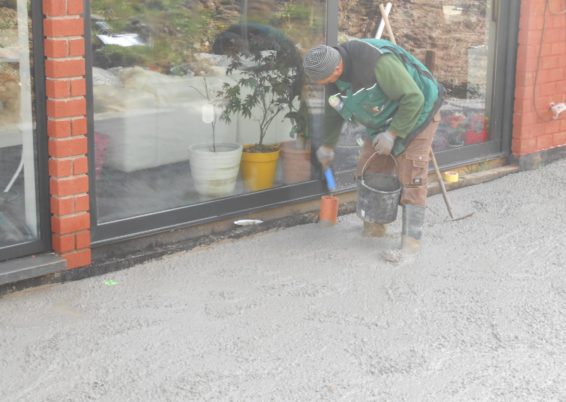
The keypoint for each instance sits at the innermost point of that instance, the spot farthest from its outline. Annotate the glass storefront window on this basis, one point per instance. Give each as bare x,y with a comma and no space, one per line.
466,110
182,90
456,40
19,221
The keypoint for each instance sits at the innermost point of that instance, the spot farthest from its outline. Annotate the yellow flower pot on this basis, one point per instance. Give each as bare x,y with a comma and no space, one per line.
258,169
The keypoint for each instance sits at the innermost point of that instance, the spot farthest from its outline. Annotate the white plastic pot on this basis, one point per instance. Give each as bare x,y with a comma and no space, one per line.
215,173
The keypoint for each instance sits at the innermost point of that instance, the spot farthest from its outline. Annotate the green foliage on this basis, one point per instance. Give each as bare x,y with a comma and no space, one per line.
299,119
110,55
173,29
264,89
302,21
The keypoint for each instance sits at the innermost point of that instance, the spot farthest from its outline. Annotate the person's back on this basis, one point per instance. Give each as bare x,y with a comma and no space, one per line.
387,90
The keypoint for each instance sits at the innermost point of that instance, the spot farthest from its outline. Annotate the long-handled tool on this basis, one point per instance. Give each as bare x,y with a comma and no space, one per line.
381,25
385,19
443,190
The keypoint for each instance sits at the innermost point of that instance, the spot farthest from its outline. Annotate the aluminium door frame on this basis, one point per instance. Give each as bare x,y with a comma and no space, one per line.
505,13
195,214
43,241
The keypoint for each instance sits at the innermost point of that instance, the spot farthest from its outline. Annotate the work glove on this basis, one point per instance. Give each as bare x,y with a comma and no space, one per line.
383,143
325,155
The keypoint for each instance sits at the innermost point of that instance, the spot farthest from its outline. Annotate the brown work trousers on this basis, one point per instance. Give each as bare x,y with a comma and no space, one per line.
412,164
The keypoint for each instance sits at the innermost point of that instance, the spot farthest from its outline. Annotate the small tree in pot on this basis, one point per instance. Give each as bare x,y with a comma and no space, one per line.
215,166
267,85
209,109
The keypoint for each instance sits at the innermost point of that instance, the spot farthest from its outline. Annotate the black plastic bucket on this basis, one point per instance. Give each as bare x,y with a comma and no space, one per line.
378,196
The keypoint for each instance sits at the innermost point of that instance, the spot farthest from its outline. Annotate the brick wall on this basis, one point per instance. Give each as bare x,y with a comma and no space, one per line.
67,129
540,80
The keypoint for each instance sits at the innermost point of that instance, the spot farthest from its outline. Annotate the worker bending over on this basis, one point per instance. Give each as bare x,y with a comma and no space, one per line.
395,97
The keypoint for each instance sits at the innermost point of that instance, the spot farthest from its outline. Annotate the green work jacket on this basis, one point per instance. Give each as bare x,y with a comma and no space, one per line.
399,95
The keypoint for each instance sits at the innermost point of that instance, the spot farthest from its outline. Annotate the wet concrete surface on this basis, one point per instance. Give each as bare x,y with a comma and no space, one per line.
311,313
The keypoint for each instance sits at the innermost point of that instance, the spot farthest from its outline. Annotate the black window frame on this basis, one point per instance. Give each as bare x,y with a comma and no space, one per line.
194,214
43,242
506,16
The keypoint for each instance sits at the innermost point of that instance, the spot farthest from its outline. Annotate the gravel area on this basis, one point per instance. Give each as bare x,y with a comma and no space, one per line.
312,313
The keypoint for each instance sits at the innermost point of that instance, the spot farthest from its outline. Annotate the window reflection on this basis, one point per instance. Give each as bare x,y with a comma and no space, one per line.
455,40
183,90
18,203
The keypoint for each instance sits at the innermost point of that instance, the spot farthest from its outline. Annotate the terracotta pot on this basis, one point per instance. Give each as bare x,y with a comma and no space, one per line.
296,162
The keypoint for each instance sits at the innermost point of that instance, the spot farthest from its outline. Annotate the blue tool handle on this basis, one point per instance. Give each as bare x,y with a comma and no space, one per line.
330,182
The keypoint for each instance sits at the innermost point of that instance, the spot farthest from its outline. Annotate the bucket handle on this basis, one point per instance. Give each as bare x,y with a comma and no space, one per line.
371,157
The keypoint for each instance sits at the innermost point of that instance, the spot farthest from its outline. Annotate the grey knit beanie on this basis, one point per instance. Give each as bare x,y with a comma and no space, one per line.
320,62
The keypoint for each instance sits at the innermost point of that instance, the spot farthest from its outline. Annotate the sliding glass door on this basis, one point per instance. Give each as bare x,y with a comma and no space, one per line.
23,196
198,109
182,94
469,45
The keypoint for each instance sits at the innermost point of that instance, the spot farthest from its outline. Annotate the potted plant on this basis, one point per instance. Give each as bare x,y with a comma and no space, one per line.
266,86
296,153
214,166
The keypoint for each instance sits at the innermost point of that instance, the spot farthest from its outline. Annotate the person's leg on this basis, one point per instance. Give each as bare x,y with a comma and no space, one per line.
377,164
413,174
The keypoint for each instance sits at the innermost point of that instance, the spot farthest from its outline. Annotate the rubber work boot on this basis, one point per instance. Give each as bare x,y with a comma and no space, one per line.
373,229
411,233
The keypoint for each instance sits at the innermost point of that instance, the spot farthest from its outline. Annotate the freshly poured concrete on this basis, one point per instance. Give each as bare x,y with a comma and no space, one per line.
311,313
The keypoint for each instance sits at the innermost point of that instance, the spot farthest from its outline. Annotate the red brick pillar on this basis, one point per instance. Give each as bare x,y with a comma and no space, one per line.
67,129
540,80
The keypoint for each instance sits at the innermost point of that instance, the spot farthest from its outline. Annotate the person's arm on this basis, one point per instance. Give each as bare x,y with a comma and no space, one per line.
332,126
393,78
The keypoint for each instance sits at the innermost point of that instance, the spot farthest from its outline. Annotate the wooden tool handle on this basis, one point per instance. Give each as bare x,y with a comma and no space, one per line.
387,24
441,183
